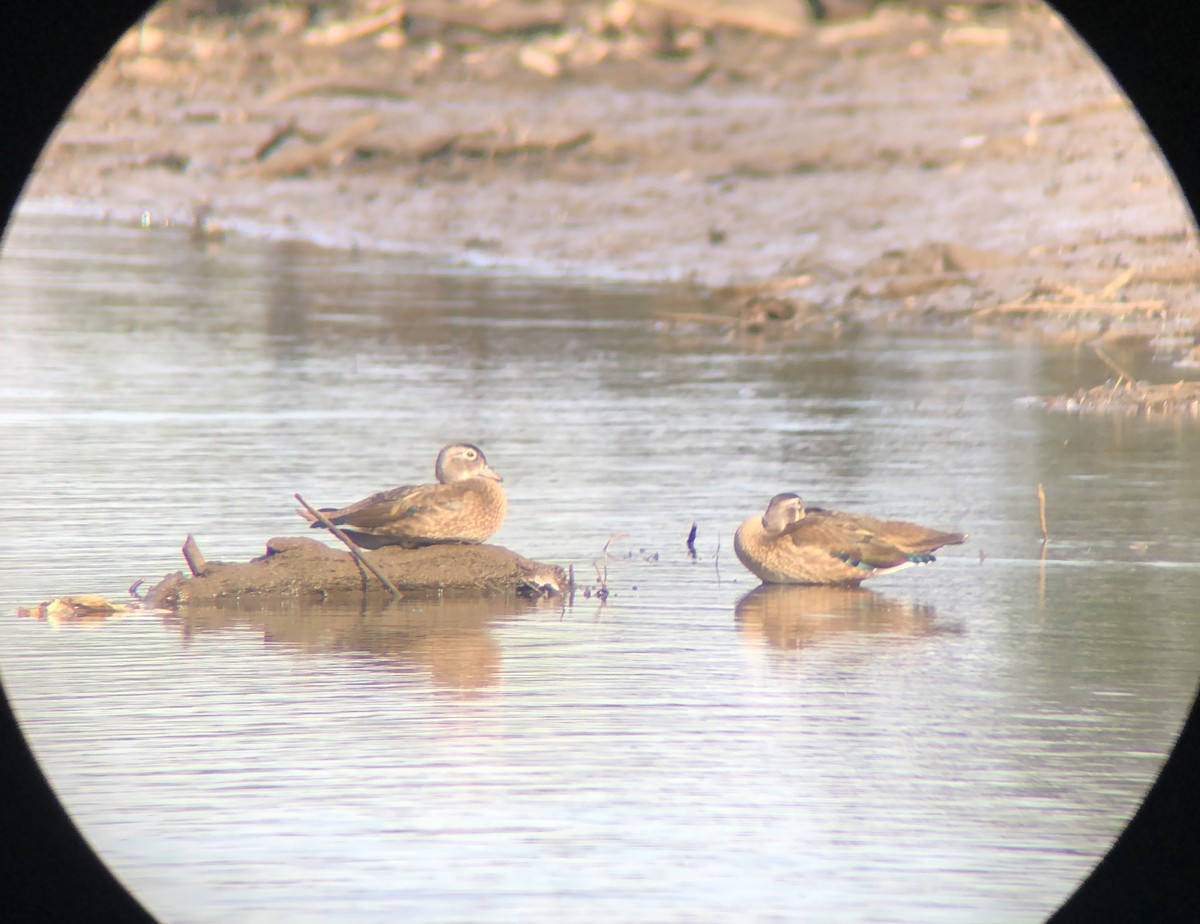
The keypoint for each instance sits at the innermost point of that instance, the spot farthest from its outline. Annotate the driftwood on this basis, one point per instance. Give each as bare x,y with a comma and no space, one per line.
1051,298
347,31
324,86
291,161
765,20
479,146
499,20
1153,306
305,569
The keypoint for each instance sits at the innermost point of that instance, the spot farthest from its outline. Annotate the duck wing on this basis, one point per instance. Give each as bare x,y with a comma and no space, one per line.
848,538
912,537
404,506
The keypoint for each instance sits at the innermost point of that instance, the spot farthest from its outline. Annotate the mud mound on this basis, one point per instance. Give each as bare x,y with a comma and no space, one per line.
301,568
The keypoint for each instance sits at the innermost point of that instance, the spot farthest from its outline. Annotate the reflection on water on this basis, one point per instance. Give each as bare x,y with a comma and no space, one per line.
788,617
450,641
954,743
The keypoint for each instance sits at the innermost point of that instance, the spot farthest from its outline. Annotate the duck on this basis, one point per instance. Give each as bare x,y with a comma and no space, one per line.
466,504
792,543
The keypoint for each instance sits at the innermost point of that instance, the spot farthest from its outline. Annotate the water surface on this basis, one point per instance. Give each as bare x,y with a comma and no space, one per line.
959,742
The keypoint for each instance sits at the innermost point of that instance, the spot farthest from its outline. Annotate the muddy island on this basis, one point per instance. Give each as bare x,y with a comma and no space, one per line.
305,569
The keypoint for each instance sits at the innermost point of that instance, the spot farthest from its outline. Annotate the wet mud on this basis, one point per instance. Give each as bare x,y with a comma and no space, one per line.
306,570
969,165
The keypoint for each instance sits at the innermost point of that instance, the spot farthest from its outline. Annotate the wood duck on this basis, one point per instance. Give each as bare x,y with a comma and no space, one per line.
467,504
794,544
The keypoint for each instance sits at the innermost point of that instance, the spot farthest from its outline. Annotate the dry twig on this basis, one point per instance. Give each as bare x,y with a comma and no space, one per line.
1081,306
1122,375
358,556
736,15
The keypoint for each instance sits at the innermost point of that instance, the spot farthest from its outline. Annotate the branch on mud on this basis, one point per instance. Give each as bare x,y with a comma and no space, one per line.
358,556
298,159
739,16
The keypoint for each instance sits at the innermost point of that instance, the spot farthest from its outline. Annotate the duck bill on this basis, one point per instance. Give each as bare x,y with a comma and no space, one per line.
488,472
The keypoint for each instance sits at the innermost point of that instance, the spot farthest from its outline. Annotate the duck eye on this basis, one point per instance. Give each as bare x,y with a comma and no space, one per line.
470,454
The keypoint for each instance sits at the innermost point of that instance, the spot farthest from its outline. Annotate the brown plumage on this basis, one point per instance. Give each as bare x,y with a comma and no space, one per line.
794,544
466,504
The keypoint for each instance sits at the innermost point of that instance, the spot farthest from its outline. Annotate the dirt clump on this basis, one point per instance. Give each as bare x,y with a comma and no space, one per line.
305,569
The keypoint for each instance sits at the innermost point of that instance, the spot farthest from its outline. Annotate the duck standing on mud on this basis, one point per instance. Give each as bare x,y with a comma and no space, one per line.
466,505
794,544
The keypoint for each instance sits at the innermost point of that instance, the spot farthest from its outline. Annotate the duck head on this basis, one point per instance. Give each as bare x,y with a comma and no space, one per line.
782,512
460,461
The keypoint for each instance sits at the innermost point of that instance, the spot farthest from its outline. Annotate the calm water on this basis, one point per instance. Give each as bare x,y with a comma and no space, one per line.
962,743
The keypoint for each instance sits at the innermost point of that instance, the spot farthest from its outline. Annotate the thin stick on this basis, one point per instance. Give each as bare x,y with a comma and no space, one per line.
617,535
290,161
1121,281
347,31
358,556
1083,306
1112,364
1042,511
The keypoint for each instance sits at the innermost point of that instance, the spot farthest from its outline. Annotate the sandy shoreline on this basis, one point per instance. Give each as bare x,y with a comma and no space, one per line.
902,164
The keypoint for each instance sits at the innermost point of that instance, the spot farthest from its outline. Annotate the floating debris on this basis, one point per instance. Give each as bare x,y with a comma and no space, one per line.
76,608
1107,304
1136,399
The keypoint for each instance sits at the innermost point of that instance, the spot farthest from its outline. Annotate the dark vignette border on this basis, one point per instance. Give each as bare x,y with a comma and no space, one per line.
1152,872
48,49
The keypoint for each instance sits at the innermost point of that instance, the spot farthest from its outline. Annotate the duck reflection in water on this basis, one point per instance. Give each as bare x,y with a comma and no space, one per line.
796,616
447,641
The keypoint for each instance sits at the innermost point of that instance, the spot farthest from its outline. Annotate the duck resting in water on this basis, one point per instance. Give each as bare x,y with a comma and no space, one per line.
466,505
794,544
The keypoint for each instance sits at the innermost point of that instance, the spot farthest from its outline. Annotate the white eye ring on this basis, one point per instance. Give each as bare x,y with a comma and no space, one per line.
470,453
